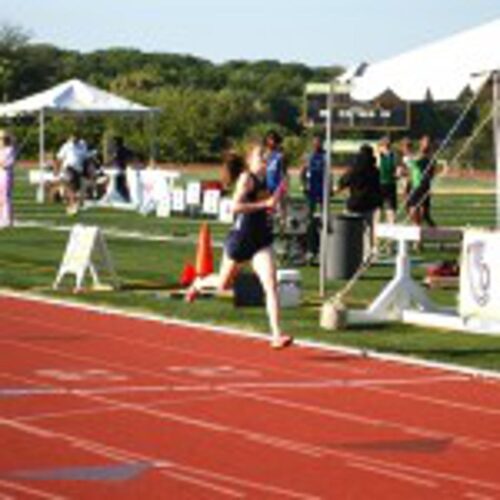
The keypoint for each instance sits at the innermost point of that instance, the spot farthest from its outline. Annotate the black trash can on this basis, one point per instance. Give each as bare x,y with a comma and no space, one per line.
345,246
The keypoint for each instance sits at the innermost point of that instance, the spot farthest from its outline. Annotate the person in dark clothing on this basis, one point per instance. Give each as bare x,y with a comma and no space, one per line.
422,174
121,155
251,236
312,176
362,180
313,173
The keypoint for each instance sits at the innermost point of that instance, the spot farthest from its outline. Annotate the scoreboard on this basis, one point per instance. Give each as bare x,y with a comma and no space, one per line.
387,112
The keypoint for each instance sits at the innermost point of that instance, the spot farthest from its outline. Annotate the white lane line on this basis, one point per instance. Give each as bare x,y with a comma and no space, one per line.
203,484
342,383
295,385
4,496
436,401
392,474
35,492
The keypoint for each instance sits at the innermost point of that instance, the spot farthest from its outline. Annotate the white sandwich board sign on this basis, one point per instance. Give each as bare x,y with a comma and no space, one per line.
86,251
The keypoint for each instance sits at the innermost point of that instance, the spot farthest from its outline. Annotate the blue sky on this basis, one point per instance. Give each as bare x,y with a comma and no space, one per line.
317,32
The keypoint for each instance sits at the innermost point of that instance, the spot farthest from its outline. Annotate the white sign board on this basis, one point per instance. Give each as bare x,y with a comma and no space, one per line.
226,211
480,276
193,194
178,200
211,199
164,207
86,250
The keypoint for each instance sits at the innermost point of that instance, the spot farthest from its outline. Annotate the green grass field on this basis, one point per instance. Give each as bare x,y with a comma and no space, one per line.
29,258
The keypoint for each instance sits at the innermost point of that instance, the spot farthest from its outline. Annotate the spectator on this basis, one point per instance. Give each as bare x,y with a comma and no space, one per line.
421,171
7,161
121,156
313,173
312,176
276,173
362,180
388,180
71,157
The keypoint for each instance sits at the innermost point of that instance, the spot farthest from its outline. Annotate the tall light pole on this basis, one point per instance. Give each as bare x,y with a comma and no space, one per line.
496,137
325,219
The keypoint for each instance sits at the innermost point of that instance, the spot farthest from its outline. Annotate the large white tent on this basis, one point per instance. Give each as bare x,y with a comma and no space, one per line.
441,70
72,97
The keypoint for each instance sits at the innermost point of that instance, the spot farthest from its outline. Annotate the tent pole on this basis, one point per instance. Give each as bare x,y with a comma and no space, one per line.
152,139
496,138
325,225
41,143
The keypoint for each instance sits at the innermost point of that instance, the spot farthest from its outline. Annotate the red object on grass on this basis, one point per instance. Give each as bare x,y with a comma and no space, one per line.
188,275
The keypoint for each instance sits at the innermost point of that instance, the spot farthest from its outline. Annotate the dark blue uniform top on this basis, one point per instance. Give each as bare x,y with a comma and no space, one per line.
275,170
315,172
252,231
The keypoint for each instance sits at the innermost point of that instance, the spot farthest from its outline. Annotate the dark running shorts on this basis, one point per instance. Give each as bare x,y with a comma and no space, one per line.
389,196
73,179
418,196
242,249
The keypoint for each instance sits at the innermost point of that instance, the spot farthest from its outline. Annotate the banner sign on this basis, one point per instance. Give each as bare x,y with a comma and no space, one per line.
480,275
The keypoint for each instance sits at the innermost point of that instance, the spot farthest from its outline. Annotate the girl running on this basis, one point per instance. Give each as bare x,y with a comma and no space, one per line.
251,236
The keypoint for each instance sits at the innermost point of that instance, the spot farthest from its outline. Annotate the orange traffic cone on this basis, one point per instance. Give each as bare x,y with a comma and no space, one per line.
204,254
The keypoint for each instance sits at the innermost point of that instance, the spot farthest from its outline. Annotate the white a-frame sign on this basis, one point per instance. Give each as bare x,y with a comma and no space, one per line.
86,251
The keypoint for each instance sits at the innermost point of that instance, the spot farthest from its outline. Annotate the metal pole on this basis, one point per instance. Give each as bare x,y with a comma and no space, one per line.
41,142
326,193
496,138
152,139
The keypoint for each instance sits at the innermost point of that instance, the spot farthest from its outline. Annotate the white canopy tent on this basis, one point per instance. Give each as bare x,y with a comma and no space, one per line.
72,97
440,71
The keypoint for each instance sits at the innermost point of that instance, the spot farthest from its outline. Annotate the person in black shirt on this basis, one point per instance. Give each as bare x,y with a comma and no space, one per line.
362,180
121,156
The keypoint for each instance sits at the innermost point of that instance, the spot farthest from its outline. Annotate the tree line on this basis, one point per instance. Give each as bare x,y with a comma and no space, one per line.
205,106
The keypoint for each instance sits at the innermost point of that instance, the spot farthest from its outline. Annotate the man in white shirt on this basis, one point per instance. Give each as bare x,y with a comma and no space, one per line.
71,156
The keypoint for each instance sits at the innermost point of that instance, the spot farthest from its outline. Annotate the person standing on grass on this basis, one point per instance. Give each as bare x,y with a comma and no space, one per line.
251,238
276,171
421,172
120,158
388,181
72,156
7,161
362,181
312,175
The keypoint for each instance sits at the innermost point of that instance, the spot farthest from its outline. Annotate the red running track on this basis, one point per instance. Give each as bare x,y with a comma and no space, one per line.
103,406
